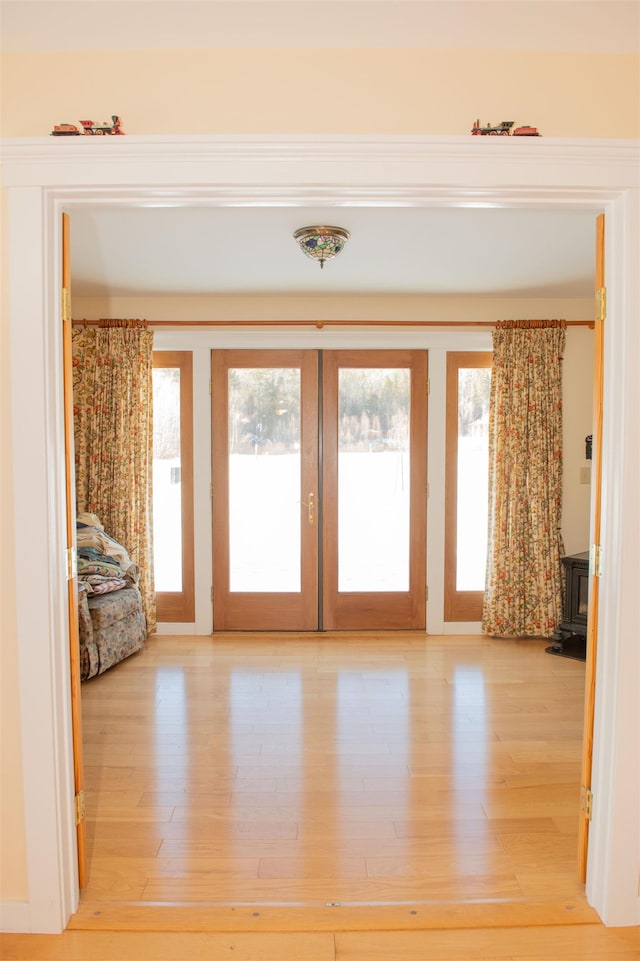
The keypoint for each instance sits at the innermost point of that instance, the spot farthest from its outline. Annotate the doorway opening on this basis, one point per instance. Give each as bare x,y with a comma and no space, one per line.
48,808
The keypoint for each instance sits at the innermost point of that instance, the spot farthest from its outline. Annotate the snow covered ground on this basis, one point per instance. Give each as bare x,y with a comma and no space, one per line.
265,514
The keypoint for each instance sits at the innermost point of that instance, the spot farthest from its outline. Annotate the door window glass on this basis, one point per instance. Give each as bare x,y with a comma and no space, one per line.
467,476
264,479
167,480
474,384
173,538
373,479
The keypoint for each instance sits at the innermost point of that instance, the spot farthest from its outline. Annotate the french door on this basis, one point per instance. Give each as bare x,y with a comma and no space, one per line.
319,490
265,489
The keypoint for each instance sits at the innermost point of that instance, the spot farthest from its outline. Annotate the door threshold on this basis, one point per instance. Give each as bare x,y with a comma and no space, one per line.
330,916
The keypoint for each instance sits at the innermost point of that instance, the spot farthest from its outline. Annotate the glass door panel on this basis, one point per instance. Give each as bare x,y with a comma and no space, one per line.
167,480
373,479
264,479
473,477
374,490
466,471
173,486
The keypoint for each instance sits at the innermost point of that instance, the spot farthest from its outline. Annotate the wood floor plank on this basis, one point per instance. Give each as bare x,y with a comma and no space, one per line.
133,813
579,942
183,868
330,866
147,946
121,848
318,890
591,943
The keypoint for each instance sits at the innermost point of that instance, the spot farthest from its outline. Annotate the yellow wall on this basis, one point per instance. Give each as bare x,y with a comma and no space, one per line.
355,307
339,91
13,871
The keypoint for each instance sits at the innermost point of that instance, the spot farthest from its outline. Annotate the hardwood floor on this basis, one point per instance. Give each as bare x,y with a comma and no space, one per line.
305,769
334,796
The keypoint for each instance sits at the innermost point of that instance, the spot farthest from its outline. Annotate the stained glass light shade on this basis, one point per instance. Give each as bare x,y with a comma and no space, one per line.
321,243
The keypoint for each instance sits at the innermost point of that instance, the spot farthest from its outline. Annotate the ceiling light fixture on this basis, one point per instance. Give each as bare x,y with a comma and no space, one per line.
321,243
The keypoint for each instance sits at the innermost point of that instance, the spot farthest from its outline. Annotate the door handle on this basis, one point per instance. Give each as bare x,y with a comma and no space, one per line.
311,507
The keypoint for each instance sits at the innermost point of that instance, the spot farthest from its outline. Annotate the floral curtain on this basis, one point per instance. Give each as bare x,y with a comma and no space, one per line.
524,586
113,432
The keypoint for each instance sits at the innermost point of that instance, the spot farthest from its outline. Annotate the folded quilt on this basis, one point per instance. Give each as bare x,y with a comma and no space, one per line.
91,536
96,584
97,564
103,564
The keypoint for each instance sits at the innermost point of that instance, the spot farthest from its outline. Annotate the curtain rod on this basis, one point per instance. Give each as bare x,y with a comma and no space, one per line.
319,324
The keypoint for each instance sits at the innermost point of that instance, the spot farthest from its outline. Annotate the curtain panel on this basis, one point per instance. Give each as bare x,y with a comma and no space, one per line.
524,584
113,433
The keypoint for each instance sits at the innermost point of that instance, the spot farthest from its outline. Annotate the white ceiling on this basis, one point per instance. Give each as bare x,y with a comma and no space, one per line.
120,251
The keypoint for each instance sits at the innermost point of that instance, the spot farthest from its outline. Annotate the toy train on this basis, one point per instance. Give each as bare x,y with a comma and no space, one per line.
89,128
503,130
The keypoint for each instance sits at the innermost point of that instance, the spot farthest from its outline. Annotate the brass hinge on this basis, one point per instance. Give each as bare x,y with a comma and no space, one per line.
210,490
586,802
601,303
72,563
212,593
79,807
66,304
428,386
596,560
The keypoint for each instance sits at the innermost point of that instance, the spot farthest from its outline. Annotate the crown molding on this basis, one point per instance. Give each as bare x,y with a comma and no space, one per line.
325,161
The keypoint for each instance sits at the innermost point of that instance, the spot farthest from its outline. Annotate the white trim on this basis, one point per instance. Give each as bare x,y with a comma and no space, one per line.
203,533
39,498
436,480
43,177
462,627
168,629
616,800
15,917
303,166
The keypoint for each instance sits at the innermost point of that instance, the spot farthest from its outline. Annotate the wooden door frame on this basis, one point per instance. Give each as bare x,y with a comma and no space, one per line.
72,576
595,540
39,185
459,606
179,606
299,611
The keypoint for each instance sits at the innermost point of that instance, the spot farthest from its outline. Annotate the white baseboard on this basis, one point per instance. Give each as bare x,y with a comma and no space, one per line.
166,629
462,627
15,917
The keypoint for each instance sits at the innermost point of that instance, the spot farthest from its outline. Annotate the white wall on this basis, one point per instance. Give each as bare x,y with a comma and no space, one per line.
577,399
